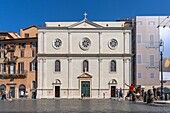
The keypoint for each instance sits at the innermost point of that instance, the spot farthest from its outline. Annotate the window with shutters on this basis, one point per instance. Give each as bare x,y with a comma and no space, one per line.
152,58
22,53
2,54
139,38
33,66
139,75
2,67
151,42
139,59
11,69
21,67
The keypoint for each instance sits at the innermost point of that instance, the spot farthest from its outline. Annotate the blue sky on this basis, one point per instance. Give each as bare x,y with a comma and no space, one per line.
16,14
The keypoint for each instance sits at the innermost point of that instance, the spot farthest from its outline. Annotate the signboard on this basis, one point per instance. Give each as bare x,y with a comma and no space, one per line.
165,36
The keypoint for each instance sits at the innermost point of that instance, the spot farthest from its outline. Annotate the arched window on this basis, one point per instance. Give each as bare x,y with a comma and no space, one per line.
57,66
2,87
85,66
113,66
22,90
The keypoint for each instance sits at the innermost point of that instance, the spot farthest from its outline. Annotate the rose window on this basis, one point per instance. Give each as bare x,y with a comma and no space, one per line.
85,43
57,43
112,43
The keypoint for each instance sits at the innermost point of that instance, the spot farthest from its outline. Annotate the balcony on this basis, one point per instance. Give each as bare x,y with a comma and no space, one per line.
17,74
152,65
10,48
10,60
152,45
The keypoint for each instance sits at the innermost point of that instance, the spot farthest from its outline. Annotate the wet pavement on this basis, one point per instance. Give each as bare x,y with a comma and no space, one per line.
80,106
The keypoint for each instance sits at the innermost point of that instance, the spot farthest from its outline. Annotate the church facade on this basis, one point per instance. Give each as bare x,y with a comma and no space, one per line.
89,59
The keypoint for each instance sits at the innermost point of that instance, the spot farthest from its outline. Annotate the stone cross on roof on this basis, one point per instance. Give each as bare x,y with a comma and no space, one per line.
85,15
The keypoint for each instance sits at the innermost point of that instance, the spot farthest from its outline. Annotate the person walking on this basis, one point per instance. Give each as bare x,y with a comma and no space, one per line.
22,94
120,93
26,95
154,92
10,95
131,91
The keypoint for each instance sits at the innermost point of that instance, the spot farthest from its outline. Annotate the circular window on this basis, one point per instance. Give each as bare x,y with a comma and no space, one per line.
57,43
85,43
113,44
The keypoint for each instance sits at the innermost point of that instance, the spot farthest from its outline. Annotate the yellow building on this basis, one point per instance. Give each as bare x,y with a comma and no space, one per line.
18,62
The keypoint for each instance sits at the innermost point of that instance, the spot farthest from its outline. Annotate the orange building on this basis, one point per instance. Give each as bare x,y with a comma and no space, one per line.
18,62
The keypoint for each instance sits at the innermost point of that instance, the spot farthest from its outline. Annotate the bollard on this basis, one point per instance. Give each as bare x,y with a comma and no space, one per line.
166,97
144,96
150,96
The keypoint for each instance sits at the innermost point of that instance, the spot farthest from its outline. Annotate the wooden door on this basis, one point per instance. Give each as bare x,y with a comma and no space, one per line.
85,88
113,91
57,91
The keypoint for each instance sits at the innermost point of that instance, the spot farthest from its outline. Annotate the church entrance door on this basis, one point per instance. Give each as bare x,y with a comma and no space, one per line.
57,91
113,91
85,88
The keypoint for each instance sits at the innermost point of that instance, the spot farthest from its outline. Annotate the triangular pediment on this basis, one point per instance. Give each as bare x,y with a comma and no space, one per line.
85,75
85,24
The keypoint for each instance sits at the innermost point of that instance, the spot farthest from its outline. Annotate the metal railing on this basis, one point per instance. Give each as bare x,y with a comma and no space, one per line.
152,64
14,74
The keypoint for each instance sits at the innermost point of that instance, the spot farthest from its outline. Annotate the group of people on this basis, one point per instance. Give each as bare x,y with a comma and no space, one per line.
156,93
5,95
134,92
22,94
8,95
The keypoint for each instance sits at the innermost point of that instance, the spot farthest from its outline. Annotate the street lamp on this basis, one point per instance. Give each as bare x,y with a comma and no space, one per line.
161,49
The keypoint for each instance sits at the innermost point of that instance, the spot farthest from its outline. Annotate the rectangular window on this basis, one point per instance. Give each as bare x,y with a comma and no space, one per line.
33,66
151,75
2,67
139,38
151,42
12,69
22,53
151,23
139,59
139,75
26,35
139,23
2,54
21,67
151,57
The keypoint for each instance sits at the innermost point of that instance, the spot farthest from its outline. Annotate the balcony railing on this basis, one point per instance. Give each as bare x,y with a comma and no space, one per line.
152,45
10,60
17,74
152,64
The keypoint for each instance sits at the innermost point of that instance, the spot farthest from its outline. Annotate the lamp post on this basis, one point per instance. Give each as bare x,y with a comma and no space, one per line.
161,45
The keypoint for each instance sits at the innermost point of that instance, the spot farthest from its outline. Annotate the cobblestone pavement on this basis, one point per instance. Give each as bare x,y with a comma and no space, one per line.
80,106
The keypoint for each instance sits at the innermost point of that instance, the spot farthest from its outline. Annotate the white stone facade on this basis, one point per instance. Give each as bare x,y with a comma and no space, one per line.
98,79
